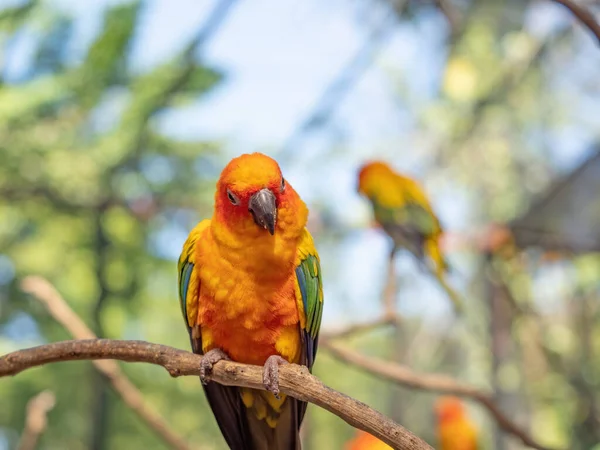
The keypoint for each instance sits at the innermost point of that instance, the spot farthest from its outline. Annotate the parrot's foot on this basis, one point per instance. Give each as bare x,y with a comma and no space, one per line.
271,374
208,360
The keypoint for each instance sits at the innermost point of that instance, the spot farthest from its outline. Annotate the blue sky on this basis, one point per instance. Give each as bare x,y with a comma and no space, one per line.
278,57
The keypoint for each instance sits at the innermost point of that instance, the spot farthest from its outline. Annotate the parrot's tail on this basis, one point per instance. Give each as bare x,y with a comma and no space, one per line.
283,435
432,249
450,292
248,420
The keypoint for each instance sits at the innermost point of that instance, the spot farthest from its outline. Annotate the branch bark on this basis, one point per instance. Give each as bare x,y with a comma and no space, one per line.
583,15
294,380
43,291
429,382
36,419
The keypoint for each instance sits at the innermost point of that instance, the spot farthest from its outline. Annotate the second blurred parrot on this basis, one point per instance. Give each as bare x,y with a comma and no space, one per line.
250,290
401,208
366,441
455,429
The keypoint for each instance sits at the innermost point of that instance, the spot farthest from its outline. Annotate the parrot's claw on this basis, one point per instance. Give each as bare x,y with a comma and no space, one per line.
271,374
208,360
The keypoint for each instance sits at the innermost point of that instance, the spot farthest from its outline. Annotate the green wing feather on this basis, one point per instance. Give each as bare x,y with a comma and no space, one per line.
185,268
308,274
410,216
188,281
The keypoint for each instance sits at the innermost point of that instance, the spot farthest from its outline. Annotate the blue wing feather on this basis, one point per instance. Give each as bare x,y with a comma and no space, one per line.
186,273
302,283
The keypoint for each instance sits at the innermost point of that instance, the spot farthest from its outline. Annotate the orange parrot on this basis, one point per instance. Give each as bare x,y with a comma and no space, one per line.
402,209
250,291
366,441
455,430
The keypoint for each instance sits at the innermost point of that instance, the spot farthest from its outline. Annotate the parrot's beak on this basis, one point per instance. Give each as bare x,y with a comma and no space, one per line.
264,210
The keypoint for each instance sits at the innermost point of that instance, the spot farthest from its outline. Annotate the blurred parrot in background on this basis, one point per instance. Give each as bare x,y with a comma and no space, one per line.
366,441
402,209
251,291
455,430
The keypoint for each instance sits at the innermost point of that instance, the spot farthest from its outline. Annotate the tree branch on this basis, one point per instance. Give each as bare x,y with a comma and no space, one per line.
36,419
583,15
295,380
43,291
429,382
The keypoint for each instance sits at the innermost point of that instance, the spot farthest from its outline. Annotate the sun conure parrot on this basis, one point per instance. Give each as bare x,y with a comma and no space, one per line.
401,208
366,441
455,430
250,290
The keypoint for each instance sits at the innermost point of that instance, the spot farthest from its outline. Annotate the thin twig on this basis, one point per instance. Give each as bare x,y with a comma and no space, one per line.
431,382
583,15
391,287
294,380
43,291
36,419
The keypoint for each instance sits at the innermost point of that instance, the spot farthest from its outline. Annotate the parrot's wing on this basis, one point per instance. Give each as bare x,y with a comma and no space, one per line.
408,216
225,402
310,305
308,276
410,220
422,219
409,225
419,210
416,209
189,284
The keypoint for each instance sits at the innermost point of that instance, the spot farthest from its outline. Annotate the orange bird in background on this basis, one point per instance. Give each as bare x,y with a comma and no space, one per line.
455,430
366,441
402,209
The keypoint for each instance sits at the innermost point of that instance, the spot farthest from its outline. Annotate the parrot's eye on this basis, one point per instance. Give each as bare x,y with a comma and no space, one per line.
282,184
232,198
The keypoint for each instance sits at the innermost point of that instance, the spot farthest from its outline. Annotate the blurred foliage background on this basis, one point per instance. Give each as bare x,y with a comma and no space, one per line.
116,118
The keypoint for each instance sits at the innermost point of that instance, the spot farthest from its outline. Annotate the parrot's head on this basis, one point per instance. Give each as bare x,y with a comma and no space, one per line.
371,175
449,409
254,199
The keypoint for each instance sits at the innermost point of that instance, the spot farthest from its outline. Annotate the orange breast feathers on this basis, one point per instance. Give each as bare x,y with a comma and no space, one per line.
246,312
455,430
248,299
